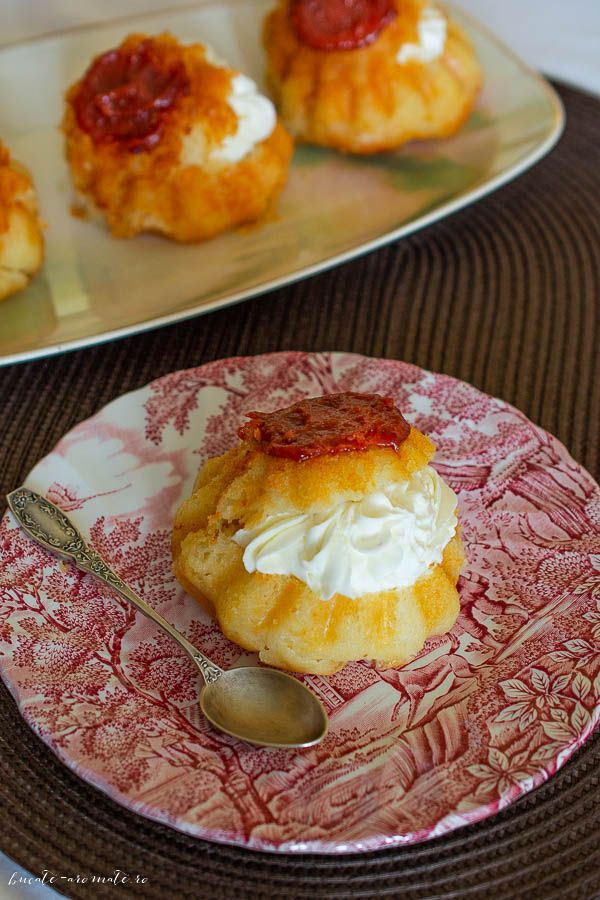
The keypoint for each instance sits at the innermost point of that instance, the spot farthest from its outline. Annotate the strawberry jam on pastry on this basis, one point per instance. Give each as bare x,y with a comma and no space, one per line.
330,424
126,93
340,24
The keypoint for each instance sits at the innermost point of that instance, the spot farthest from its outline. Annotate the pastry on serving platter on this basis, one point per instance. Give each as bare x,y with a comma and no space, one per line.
165,137
365,76
21,241
324,537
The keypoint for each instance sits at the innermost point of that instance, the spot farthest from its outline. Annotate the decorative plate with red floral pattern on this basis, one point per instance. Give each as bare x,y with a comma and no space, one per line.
483,715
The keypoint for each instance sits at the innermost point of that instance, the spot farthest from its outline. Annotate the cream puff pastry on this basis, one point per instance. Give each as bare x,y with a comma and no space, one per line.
165,137
365,76
324,537
21,241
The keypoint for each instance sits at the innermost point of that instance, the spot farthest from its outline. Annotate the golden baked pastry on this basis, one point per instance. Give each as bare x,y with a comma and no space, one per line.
21,241
365,76
269,533
164,137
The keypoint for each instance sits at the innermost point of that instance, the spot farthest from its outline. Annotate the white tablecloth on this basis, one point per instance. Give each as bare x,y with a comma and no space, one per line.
560,38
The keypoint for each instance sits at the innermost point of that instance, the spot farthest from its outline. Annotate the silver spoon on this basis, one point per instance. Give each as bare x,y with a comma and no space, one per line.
258,705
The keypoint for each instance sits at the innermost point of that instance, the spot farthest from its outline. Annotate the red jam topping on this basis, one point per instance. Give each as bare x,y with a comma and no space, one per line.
125,94
330,424
340,24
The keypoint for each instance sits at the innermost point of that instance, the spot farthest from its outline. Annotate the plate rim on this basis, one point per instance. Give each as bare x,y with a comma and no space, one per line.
442,211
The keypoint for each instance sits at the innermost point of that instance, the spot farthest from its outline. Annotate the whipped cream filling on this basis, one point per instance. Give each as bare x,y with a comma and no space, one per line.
432,30
256,120
386,541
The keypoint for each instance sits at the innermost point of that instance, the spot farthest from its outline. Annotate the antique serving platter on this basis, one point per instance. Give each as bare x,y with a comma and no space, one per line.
94,287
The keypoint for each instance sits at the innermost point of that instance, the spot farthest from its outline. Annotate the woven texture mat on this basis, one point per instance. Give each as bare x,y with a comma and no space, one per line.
504,295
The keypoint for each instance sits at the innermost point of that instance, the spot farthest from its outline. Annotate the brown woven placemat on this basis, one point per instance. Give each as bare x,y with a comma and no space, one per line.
504,295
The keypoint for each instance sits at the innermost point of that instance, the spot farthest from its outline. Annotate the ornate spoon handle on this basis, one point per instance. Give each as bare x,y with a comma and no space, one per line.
48,525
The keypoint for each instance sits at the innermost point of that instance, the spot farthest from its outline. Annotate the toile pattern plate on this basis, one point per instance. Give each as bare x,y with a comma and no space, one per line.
480,717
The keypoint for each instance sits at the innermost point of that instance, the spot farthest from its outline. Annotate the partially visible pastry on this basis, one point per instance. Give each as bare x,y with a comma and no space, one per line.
324,537
164,137
365,76
21,241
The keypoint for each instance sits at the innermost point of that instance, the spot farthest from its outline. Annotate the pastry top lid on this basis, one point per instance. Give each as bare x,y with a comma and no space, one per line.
126,92
340,24
325,425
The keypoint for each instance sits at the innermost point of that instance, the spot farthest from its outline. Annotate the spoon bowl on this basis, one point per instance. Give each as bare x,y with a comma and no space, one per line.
264,706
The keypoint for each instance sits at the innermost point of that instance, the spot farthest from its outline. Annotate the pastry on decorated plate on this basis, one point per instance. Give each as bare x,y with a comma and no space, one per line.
21,241
366,76
165,137
324,537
